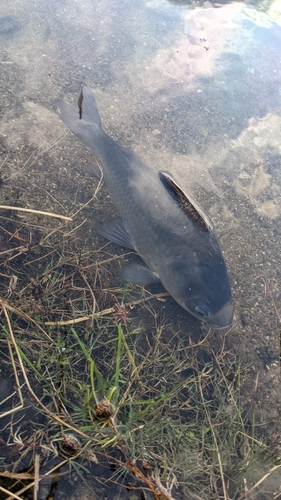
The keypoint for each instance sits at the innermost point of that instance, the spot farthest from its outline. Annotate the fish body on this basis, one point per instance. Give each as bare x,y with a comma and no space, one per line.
158,220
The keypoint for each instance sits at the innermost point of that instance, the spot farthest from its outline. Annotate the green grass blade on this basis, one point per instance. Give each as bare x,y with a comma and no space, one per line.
118,355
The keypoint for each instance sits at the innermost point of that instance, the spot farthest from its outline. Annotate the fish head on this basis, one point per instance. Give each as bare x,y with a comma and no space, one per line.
202,290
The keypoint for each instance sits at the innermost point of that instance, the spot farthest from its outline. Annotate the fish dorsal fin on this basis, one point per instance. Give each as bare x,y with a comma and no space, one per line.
188,205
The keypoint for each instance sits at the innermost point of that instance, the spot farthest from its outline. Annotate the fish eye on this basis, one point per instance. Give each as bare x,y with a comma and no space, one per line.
203,311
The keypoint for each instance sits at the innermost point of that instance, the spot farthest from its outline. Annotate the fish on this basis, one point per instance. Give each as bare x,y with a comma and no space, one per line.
158,220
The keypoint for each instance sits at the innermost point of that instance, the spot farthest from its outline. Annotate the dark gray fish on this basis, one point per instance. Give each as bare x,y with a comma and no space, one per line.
158,220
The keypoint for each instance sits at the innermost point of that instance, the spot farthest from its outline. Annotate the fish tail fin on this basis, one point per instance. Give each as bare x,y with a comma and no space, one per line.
82,117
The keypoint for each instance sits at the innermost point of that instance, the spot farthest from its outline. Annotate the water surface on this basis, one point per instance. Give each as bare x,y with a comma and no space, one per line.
194,89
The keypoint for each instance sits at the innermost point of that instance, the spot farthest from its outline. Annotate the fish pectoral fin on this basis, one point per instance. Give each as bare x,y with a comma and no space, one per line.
94,170
114,230
135,273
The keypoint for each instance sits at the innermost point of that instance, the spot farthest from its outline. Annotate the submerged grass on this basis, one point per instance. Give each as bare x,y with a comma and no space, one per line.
131,404
105,389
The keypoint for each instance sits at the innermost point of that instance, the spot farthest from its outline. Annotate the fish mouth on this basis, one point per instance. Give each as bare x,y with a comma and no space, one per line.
223,319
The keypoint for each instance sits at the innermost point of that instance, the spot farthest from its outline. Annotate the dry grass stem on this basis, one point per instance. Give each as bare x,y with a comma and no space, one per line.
37,212
272,300
21,405
30,485
4,304
258,483
105,312
225,495
35,155
51,414
21,249
20,476
10,495
36,475
66,235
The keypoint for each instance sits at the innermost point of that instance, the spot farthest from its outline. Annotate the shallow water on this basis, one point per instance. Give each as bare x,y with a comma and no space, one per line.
193,88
